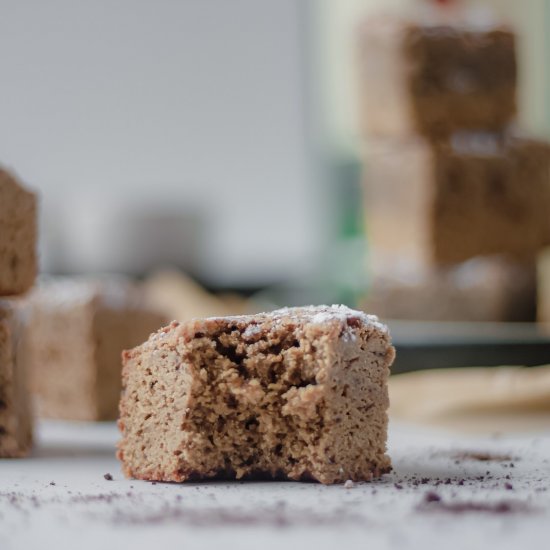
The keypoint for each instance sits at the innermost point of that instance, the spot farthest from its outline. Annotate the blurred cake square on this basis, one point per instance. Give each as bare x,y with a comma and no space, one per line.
18,262
77,331
435,80
299,393
480,194
483,289
15,409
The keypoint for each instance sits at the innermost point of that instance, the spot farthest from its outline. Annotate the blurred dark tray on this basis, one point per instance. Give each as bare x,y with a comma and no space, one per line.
427,345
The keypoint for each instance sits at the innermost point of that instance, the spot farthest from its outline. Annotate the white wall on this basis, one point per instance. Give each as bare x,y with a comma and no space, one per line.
194,103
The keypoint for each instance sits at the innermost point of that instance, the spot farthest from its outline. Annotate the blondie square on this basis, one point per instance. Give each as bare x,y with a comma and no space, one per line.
478,195
483,289
15,410
435,80
299,393
18,262
76,334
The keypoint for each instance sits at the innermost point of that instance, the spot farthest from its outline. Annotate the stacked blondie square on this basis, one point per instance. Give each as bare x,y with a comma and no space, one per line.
61,340
18,266
457,201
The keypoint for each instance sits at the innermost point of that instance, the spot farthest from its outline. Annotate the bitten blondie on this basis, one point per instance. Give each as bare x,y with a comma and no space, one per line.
299,393
77,330
15,409
18,262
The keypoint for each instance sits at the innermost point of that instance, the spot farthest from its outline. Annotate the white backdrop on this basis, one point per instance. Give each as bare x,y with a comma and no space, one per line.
111,105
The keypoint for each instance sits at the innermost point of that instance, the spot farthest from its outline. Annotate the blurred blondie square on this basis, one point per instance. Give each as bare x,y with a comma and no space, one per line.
77,330
18,230
15,408
435,79
478,195
483,289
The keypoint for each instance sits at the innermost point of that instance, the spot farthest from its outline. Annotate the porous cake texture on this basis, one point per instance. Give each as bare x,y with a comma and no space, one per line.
435,79
299,393
18,229
480,194
76,333
15,409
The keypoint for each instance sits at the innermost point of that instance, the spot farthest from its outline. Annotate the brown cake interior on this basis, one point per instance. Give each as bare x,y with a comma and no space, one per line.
238,375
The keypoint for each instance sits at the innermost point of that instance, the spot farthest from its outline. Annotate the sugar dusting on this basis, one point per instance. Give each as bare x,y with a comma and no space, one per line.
252,330
320,315
317,315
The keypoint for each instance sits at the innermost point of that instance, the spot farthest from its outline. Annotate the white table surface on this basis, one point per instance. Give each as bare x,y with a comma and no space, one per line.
59,499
